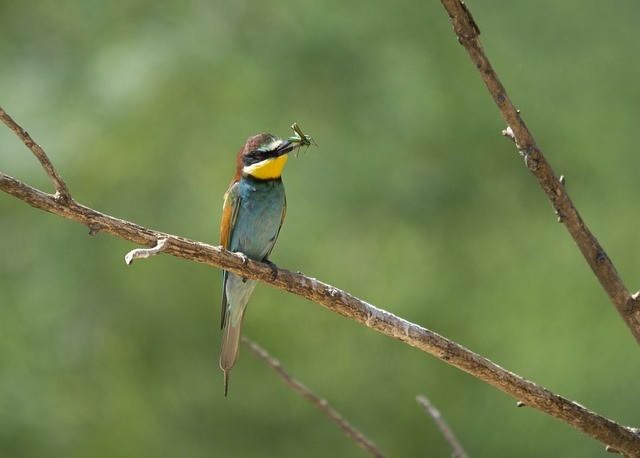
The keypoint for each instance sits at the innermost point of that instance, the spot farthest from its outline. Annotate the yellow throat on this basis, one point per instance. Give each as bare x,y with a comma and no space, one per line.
267,169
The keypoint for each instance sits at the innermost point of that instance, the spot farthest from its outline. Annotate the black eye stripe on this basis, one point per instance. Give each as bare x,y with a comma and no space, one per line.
255,156
266,150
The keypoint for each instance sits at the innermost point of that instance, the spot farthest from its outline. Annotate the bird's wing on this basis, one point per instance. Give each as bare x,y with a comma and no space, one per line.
229,216
284,213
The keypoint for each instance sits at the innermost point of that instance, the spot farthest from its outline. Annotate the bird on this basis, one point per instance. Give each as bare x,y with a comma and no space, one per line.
254,209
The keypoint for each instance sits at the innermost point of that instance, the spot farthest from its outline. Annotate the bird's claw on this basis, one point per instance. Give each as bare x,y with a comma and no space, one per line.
245,260
274,269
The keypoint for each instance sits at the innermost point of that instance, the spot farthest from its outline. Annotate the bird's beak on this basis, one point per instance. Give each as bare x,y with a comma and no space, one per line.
286,147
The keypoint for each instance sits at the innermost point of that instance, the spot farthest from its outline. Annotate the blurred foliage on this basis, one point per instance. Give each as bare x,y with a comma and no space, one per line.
413,201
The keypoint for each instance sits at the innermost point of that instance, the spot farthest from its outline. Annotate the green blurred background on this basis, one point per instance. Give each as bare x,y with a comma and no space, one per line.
413,201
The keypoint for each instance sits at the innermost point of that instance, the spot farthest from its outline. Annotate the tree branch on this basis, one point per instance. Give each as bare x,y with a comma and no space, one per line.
62,192
141,253
447,432
618,437
628,305
310,396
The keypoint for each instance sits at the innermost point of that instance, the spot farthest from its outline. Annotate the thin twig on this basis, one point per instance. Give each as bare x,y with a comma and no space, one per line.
627,305
600,428
62,191
146,252
351,432
456,447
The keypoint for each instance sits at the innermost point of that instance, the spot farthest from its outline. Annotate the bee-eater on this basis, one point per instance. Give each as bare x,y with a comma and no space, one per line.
253,212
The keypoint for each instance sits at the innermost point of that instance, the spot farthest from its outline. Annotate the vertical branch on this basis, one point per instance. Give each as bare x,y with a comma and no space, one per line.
628,305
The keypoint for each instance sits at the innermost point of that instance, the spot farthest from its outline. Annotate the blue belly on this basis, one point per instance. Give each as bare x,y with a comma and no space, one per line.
259,217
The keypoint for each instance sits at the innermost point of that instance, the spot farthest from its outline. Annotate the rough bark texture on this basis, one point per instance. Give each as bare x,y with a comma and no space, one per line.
605,430
617,438
628,305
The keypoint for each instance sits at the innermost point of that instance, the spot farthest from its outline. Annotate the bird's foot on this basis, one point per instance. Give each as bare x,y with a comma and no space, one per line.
245,260
274,269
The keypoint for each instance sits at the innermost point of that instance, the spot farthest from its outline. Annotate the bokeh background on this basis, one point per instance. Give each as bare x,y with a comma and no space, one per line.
413,201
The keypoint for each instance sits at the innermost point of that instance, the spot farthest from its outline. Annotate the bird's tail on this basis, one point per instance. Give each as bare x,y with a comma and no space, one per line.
230,348
237,291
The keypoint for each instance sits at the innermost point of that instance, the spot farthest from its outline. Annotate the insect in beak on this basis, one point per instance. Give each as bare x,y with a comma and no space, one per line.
301,138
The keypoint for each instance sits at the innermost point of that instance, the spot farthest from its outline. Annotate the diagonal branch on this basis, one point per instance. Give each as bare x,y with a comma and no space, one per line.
623,439
318,402
628,305
443,426
62,191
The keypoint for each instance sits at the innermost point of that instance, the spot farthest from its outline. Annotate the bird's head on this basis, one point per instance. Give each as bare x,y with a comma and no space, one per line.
264,156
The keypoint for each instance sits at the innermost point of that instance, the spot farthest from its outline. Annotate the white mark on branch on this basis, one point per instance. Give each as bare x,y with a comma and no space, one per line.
508,132
400,329
138,253
531,155
333,292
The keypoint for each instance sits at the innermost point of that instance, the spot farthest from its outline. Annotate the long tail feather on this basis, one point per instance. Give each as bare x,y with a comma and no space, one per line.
226,382
230,349
237,291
